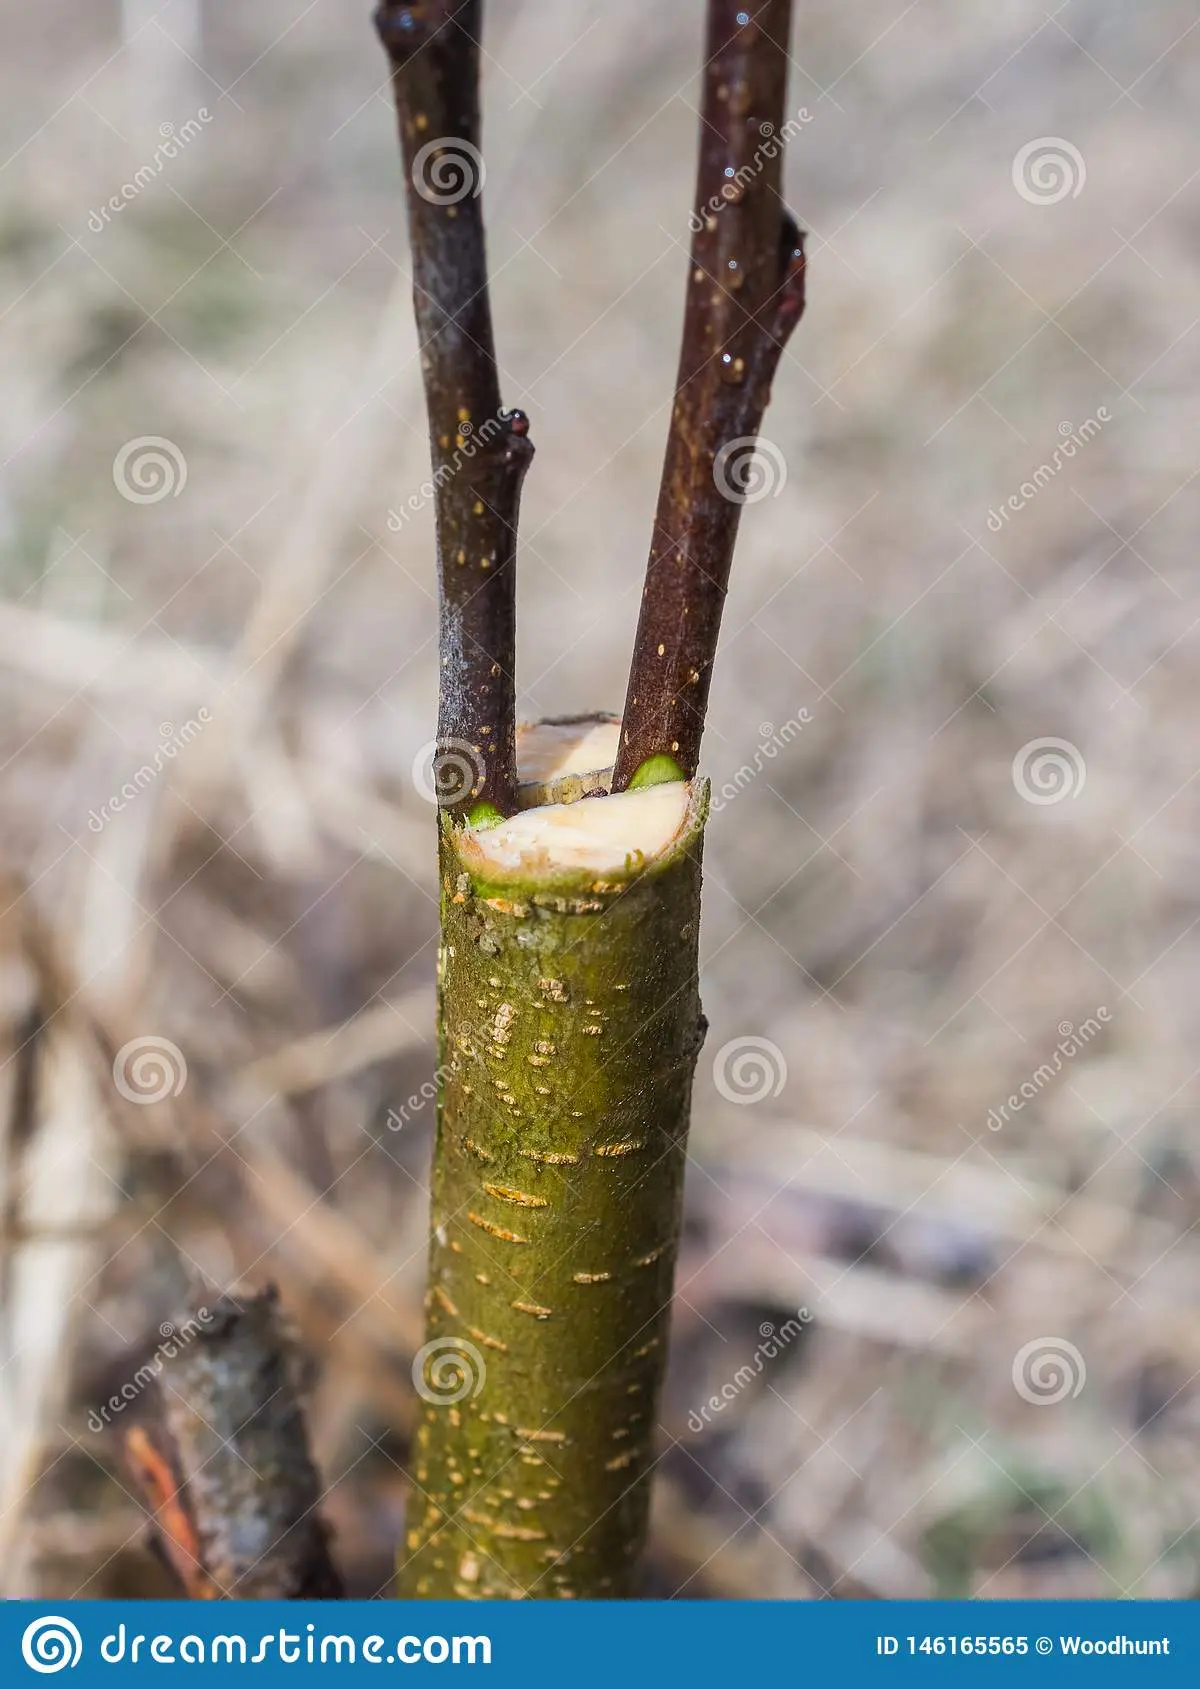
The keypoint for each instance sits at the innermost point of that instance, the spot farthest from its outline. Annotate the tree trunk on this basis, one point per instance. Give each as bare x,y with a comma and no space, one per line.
570,1023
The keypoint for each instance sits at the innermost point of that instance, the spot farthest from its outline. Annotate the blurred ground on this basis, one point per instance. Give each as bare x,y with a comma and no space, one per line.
912,915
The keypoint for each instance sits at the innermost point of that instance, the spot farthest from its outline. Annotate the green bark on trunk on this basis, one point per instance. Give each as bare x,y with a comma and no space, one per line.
570,1024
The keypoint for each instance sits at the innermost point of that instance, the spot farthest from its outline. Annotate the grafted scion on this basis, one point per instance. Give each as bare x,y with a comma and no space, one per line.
745,295
479,452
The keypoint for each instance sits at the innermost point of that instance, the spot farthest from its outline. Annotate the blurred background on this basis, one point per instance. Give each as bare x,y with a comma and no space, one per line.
940,1267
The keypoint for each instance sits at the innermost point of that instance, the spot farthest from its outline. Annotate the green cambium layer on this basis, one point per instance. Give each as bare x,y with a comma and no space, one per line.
570,1025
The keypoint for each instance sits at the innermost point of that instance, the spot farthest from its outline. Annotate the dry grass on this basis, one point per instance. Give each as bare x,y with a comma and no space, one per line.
883,906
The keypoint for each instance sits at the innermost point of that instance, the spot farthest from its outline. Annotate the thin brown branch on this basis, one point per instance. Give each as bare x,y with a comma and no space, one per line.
479,452
745,295
219,1451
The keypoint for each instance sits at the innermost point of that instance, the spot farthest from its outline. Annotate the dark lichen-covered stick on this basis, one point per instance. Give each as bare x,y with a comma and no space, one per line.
480,453
745,295
220,1453
572,1022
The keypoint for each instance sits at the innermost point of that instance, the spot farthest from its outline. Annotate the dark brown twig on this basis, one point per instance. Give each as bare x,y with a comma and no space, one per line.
220,1453
480,453
745,295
